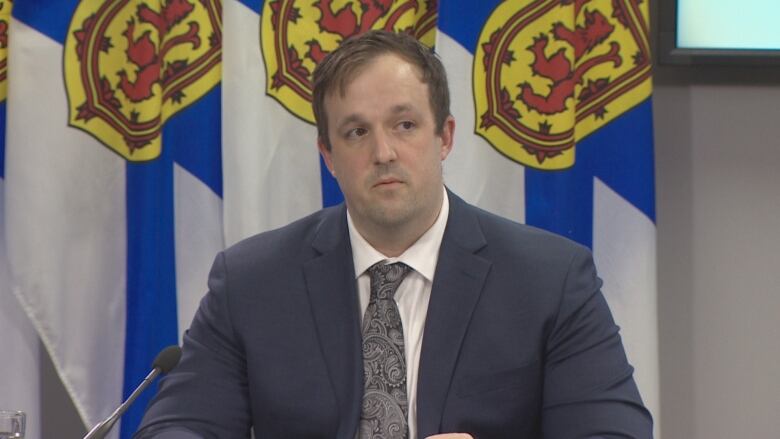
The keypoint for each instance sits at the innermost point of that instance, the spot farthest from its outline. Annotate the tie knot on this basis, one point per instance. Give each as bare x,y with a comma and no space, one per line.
385,278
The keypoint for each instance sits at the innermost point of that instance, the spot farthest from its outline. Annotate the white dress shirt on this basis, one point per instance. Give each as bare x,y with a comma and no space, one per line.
412,295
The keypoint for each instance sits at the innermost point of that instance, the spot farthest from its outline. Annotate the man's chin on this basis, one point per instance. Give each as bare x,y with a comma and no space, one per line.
390,215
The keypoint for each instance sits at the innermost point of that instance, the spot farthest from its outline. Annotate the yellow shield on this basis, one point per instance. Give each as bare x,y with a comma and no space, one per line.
548,73
130,65
295,36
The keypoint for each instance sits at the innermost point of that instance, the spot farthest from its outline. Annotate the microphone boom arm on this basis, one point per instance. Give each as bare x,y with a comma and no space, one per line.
166,360
101,429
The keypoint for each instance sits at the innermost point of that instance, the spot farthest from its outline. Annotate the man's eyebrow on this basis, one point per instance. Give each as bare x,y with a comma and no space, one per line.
356,118
352,118
401,108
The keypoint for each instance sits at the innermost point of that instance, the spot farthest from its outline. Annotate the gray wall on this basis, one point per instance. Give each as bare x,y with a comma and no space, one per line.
718,182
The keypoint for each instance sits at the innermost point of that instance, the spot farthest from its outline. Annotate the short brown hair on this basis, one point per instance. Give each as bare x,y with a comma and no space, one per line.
340,67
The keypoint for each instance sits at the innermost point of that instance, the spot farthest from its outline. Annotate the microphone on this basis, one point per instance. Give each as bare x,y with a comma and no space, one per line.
166,360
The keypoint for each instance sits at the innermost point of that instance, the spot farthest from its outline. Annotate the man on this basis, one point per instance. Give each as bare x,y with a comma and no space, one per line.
405,312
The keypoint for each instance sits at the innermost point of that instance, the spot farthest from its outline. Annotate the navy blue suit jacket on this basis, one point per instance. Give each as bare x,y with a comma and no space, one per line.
518,340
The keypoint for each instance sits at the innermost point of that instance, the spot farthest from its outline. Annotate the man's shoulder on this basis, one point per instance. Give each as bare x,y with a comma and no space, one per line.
509,236
291,240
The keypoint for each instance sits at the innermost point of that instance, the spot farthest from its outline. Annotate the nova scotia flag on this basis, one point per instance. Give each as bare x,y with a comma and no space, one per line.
113,183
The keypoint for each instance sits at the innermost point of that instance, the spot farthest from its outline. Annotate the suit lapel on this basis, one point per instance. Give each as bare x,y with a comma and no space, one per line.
330,279
460,275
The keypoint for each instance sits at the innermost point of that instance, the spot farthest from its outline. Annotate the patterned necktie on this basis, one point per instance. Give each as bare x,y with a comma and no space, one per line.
385,405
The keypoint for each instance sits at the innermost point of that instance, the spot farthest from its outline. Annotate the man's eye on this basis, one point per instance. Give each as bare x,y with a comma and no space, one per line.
406,125
356,132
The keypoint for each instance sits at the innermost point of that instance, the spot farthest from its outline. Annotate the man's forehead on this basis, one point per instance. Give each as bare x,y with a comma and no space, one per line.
349,76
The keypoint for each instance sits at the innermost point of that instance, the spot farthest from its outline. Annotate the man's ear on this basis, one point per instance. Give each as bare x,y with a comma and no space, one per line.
326,155
447,137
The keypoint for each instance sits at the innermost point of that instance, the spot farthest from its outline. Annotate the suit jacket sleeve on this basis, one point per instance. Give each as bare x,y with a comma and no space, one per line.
589,391
206,395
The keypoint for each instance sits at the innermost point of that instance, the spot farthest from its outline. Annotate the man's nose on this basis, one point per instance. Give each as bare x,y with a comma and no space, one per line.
384,147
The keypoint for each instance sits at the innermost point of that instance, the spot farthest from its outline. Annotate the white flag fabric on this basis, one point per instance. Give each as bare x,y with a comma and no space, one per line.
145,136
19,371
272,167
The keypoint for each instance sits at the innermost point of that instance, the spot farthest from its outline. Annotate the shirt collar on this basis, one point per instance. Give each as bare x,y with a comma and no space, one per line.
422,256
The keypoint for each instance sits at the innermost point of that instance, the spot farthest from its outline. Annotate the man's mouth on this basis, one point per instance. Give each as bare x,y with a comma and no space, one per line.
387,182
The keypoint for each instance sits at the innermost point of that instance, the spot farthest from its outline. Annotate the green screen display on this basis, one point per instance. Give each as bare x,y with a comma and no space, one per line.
720,24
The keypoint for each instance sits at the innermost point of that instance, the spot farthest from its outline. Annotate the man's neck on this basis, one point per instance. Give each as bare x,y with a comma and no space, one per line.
393,241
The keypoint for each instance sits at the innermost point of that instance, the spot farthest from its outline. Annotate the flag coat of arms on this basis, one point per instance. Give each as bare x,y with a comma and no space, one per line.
144,136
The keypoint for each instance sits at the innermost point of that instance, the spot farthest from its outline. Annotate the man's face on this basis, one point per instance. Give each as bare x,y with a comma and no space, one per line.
385,153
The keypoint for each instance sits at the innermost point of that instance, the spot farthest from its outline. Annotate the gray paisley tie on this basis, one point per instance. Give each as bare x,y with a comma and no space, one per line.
385,405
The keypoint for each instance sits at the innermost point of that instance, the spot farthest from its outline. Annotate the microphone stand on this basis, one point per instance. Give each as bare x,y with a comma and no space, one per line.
101,429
